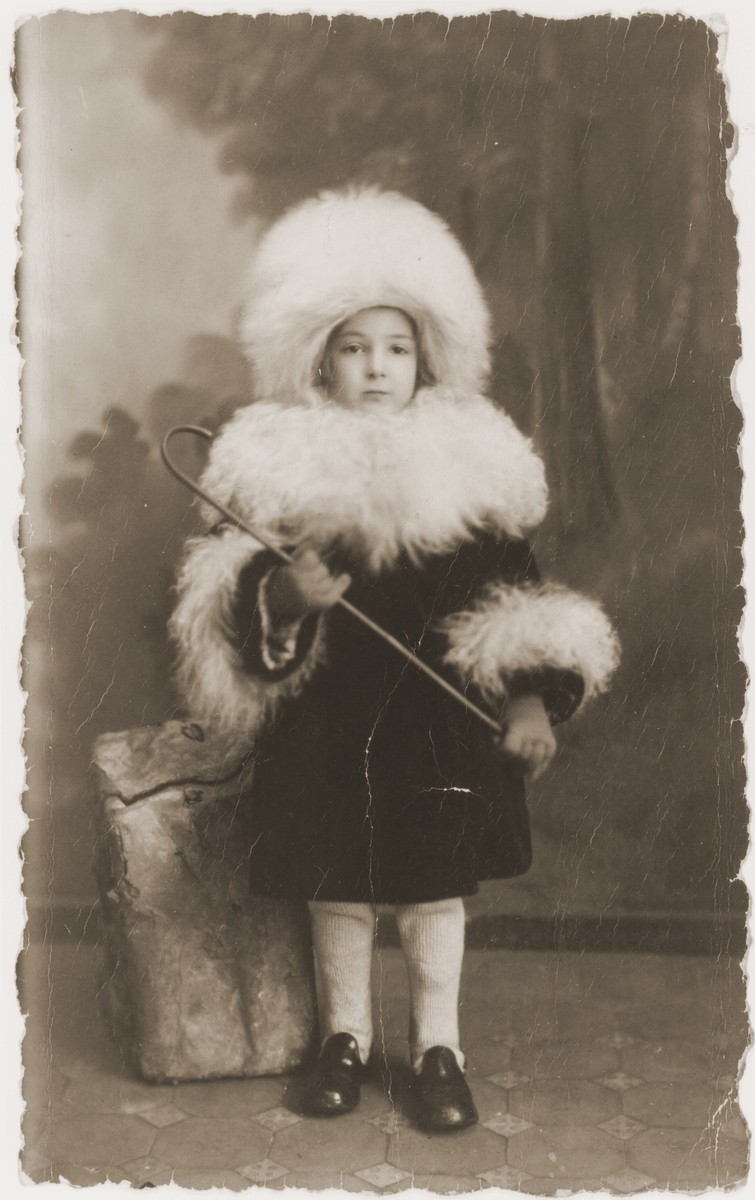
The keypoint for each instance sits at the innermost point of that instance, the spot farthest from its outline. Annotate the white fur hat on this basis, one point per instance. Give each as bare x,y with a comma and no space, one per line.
343,251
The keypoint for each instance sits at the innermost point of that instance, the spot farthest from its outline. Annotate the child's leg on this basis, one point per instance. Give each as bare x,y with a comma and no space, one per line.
432,938
343,935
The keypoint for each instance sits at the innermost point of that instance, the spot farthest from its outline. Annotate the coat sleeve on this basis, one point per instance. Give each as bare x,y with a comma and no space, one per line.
509,633
230,671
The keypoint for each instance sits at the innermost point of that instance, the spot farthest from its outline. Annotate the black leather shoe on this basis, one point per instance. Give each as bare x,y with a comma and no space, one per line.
444,1101
332,1086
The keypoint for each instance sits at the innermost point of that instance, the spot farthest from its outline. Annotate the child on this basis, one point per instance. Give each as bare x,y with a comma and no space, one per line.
371,454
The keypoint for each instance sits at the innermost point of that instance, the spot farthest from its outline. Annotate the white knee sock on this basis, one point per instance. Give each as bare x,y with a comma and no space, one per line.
432,938
343,935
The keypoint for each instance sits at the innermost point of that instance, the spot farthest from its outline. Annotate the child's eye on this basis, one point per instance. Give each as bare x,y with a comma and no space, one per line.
351,348
399,349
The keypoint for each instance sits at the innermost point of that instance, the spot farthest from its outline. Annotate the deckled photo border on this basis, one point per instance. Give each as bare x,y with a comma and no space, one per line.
735,17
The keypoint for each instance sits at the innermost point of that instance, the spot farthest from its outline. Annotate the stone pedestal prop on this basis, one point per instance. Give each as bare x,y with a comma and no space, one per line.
201,979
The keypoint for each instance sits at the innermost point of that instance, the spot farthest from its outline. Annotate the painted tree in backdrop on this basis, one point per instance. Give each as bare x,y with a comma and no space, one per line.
580,161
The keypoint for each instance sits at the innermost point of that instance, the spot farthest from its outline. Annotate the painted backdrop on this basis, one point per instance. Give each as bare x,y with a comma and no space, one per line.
582,163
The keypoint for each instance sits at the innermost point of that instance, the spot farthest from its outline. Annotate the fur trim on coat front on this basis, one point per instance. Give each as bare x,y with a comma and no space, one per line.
416,480
419,481
210,676
344,251
520,629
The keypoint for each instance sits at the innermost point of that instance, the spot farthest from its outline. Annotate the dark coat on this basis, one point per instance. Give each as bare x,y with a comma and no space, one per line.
372,784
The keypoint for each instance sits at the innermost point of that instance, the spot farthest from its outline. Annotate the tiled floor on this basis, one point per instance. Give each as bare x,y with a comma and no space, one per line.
589,1071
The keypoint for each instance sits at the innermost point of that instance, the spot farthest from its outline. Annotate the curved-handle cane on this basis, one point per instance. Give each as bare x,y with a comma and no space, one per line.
422,666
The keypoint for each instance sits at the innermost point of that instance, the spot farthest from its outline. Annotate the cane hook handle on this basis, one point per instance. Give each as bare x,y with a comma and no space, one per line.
238,521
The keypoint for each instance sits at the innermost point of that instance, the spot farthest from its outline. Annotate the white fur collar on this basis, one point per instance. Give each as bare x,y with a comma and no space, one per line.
422,479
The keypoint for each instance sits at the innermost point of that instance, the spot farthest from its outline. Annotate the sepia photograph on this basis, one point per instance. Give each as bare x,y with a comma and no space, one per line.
382,546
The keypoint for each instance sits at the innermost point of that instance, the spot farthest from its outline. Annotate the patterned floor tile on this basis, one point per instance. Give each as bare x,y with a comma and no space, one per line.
163,1116
564,1102
508,1079
345,1144
229,1181
323,1181
210,1145
380,1091
507,1125
490,1099
672,1104
629,1181
505,1177
93,1139
147,1171
467,1152
570,1004
622,1127
688,1159
262,1172
117,1095
390,1122
229,1099
446,1185
383,1175
561,1185
620,1081
568,1152
276,1118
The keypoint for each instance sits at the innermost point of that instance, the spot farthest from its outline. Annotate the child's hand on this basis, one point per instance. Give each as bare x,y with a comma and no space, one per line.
304,585
529,737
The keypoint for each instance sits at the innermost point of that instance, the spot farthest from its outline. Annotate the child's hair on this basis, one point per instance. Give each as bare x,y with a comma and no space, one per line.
324,369
341,252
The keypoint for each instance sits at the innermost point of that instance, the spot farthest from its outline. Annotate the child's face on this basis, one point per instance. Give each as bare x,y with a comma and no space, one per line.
372,360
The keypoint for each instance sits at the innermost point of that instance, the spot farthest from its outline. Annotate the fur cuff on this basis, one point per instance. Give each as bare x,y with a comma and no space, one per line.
515,629
211,680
